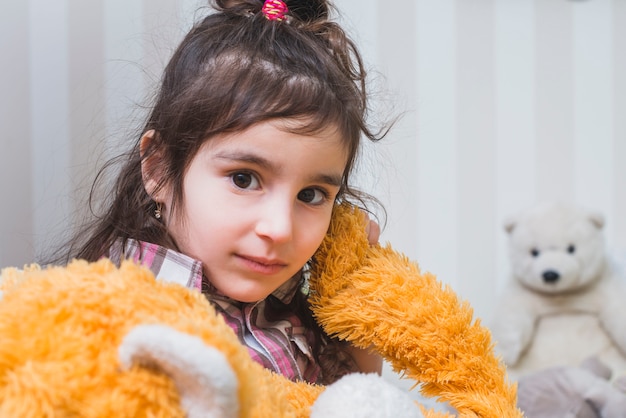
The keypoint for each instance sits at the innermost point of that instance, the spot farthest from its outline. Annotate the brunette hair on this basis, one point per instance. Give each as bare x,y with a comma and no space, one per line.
236,68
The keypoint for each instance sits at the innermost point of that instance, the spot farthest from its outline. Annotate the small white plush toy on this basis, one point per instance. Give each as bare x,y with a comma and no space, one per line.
360,395
564,301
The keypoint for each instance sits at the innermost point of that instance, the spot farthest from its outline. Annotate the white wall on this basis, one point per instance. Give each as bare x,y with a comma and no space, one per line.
506,102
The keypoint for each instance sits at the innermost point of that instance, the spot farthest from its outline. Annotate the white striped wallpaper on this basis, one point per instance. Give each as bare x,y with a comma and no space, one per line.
506,102
509,103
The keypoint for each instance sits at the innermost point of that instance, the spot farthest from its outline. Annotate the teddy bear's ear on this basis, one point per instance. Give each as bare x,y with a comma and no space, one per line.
597,219
509,224
206,383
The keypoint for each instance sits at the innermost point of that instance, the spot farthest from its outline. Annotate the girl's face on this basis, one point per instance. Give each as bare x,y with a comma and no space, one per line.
257,205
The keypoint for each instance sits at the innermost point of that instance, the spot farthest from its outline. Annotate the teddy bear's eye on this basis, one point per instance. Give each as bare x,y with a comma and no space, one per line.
571,249
534,252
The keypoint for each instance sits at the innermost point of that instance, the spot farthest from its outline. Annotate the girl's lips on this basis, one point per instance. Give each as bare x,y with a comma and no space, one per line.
262,265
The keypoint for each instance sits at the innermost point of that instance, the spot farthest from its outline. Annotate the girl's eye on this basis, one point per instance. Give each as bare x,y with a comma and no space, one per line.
245,180
312,196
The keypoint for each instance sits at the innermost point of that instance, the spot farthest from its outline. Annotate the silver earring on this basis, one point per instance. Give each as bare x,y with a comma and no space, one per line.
306,276
157,211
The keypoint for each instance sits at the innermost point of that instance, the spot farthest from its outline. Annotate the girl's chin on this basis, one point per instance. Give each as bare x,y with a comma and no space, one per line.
246,296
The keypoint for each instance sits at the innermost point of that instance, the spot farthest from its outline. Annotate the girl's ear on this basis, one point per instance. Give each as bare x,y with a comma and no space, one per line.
152,165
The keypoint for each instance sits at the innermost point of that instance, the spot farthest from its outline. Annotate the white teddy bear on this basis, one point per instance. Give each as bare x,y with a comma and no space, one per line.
564,301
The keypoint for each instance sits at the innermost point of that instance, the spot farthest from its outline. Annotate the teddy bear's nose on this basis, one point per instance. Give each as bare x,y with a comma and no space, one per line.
550,276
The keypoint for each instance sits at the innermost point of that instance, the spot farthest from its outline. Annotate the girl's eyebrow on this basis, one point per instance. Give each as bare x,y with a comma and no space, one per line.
329,179
246,157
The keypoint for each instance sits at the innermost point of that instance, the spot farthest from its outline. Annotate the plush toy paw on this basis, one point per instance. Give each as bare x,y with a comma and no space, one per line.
581,392
613,313
511,343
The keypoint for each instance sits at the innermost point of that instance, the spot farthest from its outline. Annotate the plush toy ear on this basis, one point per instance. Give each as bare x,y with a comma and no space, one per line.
509,225
597,219
207,385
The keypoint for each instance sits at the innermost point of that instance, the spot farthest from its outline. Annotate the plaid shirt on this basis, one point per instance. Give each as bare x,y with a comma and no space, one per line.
280,345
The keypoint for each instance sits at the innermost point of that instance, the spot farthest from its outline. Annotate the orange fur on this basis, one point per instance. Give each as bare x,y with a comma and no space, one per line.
374,296
60,329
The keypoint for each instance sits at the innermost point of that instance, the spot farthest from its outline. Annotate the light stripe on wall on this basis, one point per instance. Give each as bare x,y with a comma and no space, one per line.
400,69
435,132
476,146
16,227
593,104
370,172
124,73
163,31
49,115
87,107
619,126
554,107
515,123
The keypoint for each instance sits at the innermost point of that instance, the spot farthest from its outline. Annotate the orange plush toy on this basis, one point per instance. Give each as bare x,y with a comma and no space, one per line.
93,340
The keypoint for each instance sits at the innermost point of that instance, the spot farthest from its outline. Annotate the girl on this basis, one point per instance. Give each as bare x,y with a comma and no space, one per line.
231,185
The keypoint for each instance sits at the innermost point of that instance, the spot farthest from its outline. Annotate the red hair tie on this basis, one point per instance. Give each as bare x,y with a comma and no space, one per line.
274,9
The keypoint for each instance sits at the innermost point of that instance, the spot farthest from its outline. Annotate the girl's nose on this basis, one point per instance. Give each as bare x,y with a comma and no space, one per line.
276,222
